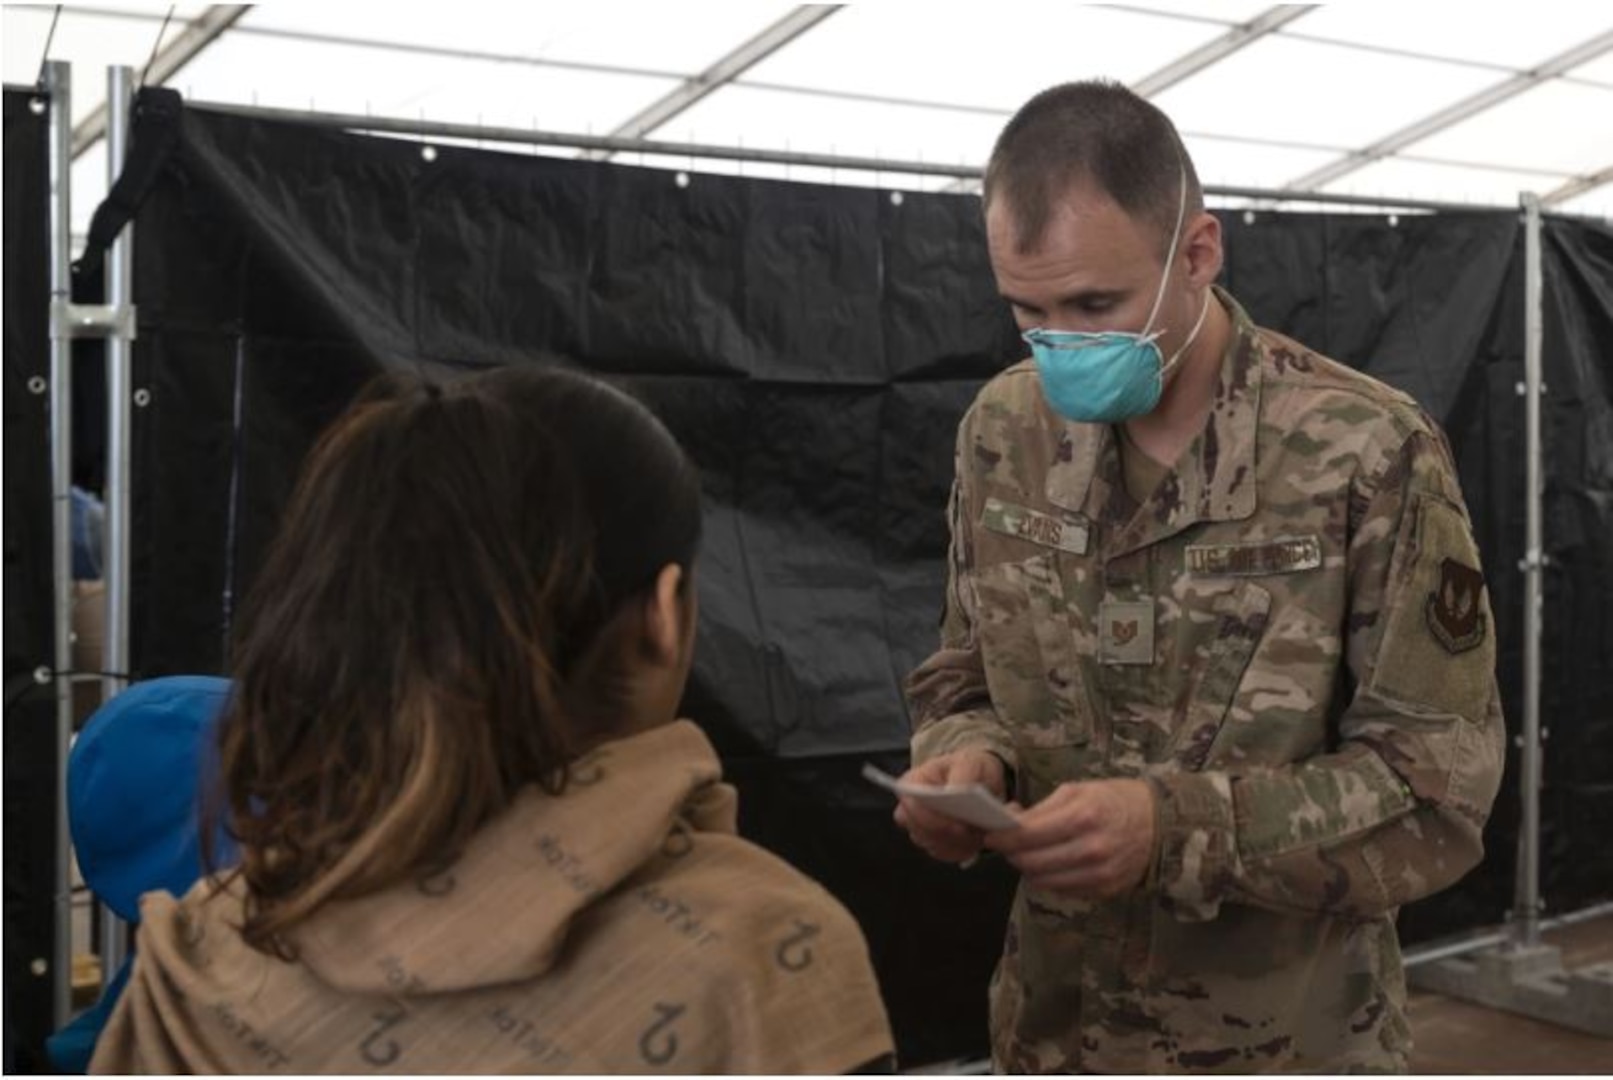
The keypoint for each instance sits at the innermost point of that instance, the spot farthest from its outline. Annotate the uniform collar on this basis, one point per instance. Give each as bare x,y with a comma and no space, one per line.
1213,481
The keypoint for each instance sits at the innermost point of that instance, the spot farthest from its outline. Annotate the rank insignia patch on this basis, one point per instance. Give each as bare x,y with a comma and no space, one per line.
1126,631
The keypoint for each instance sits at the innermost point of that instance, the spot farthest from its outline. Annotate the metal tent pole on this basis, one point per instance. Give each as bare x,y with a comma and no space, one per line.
59,85
1519,972
119,377
1437,951
1526,902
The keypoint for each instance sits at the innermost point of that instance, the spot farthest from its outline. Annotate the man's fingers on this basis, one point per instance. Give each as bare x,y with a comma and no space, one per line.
933,771
921,819
960,768
1044,825
1085,839
941,837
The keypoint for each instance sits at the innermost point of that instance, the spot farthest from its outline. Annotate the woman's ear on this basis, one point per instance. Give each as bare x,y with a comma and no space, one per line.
663,618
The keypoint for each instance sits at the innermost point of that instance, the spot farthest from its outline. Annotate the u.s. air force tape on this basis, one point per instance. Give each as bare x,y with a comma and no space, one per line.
1249,559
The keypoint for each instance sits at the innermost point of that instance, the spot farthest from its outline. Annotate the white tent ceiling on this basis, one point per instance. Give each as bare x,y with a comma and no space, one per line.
1443,102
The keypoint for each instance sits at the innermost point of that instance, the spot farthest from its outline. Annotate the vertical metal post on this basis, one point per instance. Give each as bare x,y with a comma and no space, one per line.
59,85
119,395
119,377
1526,902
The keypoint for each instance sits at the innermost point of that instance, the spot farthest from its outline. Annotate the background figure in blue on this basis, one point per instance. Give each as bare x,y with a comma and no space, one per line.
89,599
135,782
89,532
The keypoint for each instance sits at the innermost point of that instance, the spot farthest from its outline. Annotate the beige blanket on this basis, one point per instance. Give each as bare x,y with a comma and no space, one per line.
620,928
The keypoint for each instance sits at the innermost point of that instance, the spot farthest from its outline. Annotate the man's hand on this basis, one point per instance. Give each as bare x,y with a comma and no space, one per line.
1088,839
942,837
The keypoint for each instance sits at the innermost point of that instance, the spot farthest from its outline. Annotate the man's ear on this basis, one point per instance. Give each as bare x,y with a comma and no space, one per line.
663,616
1204,251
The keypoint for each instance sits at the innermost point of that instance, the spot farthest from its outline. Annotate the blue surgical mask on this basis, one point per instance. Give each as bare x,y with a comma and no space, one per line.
1112,375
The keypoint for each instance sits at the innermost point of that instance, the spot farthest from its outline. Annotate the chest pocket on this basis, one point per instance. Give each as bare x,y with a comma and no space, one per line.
1031,653
1222,632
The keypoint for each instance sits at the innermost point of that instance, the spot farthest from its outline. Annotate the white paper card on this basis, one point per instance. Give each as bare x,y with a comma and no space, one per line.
972,804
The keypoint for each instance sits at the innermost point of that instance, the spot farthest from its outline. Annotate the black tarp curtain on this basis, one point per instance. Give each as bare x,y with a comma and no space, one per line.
813,348
30,706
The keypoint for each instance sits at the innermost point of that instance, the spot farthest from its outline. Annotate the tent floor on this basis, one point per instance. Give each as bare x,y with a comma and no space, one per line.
1453,1036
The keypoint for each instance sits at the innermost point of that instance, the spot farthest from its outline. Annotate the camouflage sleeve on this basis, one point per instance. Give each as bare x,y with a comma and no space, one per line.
947,694
1397,811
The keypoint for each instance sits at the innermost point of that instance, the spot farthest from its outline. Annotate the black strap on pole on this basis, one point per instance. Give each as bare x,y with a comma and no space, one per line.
158,111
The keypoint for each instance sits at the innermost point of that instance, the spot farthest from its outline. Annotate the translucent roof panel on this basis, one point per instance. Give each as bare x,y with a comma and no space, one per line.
1304,92
1599,70
904,51
22,46
1597,203
1237,163
87,187
1444,183
913,83
1230,12
780,120
1531,128
144,8
91,43
663,38
250,69
1517,41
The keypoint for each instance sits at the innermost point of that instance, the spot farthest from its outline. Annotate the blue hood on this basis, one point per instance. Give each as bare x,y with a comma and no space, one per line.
134,782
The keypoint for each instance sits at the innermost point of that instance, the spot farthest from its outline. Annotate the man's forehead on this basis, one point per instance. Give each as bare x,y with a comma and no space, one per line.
1083,213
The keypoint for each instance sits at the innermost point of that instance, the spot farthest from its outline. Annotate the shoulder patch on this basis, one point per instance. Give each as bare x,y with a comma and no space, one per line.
1453,611
1437,651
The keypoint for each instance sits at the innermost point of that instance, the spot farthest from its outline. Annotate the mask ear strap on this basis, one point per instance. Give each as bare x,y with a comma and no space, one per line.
1204,309
1170,256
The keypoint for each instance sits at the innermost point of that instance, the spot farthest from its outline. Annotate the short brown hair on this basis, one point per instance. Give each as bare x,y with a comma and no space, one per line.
1096,131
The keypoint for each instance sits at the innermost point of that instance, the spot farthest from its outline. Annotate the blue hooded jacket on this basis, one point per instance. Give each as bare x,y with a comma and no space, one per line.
134,784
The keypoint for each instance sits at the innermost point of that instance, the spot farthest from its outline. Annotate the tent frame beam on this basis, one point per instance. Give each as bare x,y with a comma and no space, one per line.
1235,39
1578,186
1454,114
729,67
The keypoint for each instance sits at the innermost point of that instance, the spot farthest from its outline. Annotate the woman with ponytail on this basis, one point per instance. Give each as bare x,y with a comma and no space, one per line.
474,835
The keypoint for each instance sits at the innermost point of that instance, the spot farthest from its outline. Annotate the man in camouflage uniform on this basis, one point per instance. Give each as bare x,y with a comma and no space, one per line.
1233,655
